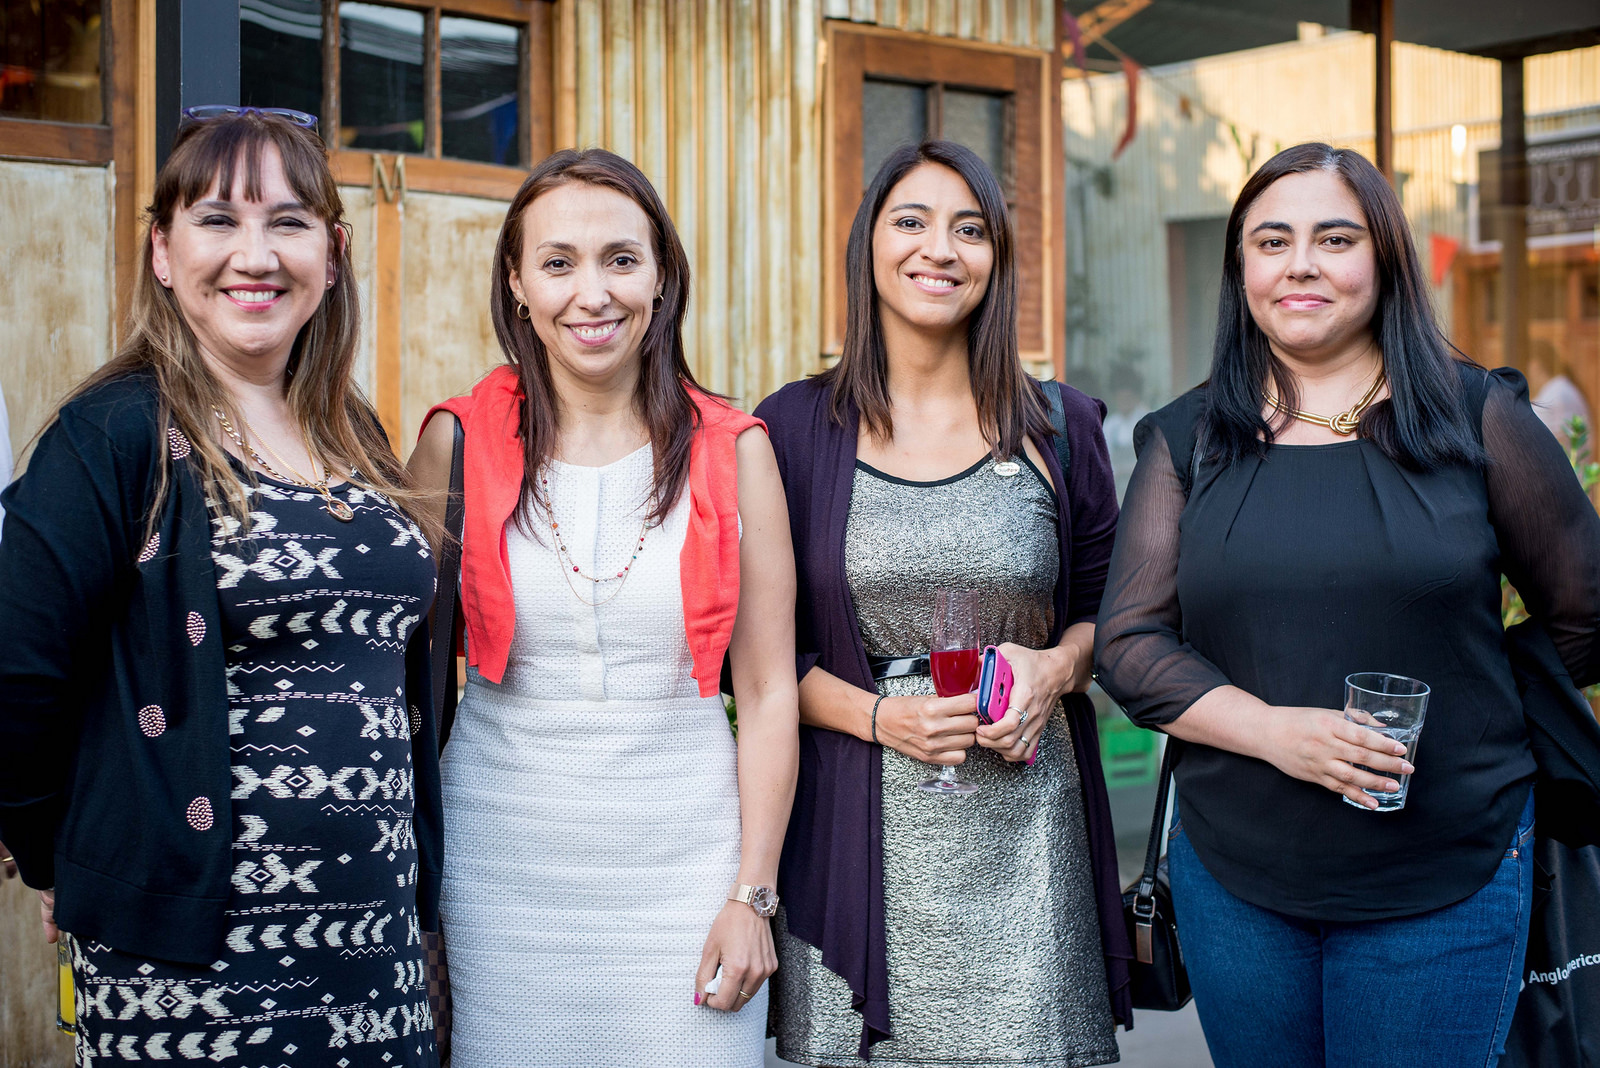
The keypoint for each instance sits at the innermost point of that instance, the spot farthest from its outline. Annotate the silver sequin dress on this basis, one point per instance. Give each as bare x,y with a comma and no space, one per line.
994,940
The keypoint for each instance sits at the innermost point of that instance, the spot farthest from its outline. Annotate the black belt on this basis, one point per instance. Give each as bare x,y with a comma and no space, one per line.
895,667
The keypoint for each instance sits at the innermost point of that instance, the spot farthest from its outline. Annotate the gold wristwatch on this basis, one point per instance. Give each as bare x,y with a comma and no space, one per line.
764,899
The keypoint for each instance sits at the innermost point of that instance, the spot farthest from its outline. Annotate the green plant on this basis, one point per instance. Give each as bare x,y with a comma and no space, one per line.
1512,610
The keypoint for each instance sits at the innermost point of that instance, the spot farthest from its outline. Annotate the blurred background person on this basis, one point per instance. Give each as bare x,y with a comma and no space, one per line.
1557,400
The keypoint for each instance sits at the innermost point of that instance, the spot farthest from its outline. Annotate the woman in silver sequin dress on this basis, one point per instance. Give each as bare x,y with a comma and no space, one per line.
991,930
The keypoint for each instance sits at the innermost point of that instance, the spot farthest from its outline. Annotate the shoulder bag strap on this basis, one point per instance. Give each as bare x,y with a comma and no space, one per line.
446,605
1144,904
1058,420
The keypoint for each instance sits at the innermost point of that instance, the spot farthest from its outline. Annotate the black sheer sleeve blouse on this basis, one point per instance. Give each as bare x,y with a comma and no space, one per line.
1281,575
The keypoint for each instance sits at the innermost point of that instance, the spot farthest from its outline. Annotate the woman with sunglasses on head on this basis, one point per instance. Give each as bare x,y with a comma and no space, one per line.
221,772
1342,496
918,928
612,846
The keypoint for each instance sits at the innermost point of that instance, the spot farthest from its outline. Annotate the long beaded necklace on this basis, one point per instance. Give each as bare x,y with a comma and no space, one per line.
1346,422
565,559
330,504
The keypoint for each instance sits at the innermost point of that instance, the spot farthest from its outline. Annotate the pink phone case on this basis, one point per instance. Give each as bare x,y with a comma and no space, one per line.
994,690
994,686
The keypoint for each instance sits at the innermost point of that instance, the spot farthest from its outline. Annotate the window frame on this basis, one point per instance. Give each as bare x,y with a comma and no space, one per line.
430,171
94,143
856,52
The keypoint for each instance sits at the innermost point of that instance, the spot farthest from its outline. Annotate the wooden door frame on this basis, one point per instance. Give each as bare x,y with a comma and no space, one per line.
855,52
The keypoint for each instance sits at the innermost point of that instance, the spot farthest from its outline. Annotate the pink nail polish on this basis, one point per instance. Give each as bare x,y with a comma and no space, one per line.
697,997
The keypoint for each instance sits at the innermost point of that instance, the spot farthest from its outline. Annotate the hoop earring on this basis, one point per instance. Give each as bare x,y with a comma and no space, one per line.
655,305
522,312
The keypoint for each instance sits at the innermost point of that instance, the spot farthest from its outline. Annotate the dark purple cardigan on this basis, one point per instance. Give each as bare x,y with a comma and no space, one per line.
831,876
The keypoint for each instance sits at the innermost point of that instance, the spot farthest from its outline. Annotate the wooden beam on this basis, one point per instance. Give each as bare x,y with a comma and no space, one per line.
1101,20
1513,216
69,142
387,310
1383,87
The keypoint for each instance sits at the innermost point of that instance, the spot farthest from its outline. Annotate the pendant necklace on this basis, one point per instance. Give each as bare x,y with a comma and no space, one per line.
1343,424
330,504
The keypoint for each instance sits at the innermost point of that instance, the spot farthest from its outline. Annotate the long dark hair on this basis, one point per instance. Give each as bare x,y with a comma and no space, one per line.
1009,404
329,408
1424,423
662,399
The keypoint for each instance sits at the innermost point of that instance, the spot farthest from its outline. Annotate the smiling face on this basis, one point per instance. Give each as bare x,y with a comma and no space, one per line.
932,254
589,278
1310,272
247,274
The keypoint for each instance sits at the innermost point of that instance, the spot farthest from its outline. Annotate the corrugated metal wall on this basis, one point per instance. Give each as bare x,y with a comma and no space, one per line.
1242,108
720,103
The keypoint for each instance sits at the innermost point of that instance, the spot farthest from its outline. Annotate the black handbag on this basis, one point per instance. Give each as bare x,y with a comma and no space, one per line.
1557,1019
443,633
1158,979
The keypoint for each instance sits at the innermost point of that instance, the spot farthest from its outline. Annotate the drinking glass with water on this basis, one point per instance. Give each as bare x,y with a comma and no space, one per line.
1393,706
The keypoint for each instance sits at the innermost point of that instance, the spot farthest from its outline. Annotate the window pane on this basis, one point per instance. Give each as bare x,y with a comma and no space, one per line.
977,120
280,54
380,77
478,65
50,60
892,114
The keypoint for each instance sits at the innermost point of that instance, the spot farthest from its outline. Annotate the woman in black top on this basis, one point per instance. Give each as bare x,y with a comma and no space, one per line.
220,769
1256,569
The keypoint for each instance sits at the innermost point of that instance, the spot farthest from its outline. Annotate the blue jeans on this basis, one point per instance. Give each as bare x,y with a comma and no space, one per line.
1430,991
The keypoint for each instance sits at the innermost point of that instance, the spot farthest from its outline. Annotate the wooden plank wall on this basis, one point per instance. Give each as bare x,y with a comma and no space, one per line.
720,103
55,327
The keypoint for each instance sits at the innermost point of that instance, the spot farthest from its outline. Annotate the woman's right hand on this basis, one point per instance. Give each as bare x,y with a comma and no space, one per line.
934,730
1319,745
47,914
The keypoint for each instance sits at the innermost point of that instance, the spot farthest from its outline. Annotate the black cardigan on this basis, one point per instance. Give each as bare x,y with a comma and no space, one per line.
98,624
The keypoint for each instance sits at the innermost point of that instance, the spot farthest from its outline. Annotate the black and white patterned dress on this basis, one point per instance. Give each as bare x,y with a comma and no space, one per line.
323,963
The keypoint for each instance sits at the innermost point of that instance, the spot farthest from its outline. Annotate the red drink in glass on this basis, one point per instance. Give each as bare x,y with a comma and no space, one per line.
955,671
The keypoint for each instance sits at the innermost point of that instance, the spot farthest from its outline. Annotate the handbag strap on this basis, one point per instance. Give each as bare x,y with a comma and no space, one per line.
1058,420
1144,900
446,606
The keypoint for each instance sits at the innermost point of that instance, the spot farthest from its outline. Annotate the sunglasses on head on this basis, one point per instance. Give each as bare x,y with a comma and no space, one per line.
205,112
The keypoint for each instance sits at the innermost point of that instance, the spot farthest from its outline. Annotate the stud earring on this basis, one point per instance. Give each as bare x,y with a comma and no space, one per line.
330,283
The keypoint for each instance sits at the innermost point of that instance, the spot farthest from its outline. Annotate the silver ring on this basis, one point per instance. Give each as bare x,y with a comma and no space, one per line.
1024,741
1022,718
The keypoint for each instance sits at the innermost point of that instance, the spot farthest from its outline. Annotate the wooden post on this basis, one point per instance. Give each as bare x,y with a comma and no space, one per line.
1383,87
1513,216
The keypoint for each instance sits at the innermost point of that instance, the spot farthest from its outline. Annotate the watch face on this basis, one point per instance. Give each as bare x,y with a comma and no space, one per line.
764,900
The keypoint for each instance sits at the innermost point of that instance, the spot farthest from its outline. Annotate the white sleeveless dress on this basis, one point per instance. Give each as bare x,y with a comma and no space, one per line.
591,809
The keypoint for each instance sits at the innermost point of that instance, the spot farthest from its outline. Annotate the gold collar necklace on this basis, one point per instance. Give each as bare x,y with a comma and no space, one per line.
1346,422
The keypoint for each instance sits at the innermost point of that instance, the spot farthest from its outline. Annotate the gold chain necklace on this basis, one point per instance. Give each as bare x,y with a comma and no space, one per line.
1346,422
564,557
330,504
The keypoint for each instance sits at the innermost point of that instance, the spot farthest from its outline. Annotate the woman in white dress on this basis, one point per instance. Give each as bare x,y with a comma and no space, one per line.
608,844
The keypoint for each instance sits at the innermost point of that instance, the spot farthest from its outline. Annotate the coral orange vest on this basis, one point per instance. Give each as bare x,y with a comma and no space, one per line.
492,484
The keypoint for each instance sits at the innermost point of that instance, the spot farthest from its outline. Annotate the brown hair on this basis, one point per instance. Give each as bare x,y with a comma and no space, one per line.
1010,406
662,399
339,425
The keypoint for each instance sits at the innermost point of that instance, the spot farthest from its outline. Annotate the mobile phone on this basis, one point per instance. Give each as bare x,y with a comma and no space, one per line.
994,686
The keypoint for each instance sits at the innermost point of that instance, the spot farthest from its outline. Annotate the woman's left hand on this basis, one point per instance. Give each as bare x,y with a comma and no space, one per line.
741,942
1040,677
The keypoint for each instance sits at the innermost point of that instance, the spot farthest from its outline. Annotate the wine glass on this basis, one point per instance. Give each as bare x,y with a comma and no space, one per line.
953,656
